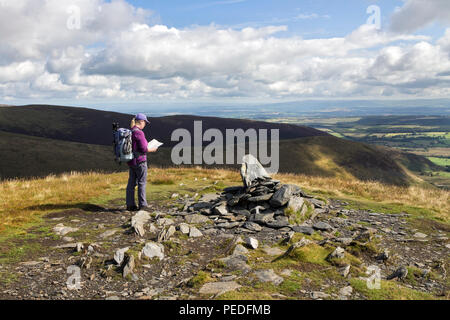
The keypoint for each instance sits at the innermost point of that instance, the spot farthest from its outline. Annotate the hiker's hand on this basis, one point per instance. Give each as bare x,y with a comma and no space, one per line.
153,150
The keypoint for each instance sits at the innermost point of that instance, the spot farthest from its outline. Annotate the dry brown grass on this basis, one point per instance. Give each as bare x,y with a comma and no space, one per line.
23,200
416,196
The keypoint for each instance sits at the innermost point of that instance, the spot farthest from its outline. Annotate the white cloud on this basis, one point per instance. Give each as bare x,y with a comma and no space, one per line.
303,16
415,14
32,29
118,55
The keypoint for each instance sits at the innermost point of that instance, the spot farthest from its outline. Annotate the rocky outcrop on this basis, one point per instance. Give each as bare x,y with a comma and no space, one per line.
260,202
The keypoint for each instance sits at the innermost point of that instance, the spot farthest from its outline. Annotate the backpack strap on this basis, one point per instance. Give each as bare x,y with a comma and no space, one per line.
135,153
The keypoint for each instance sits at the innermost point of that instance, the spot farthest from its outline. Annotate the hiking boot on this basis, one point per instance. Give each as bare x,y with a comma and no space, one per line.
145,208
133,208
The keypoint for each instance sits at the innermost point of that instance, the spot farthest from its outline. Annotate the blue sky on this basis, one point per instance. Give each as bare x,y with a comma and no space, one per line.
308,18
221,51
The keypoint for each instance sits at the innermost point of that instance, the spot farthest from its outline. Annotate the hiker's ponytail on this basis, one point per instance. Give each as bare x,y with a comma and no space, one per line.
133,123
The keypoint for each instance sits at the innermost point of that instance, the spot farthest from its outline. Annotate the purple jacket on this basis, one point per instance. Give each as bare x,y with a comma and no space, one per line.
140,144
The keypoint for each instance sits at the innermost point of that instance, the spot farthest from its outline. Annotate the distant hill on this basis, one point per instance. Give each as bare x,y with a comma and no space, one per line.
94,126
331,156
28,156
405,120
39,140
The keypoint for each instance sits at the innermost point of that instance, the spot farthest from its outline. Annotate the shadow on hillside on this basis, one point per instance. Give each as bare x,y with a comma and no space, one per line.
83,206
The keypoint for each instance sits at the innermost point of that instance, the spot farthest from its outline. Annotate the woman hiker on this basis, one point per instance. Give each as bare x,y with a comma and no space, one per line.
138,166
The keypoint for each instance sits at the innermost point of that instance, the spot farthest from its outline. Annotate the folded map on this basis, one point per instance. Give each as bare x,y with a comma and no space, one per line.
154,144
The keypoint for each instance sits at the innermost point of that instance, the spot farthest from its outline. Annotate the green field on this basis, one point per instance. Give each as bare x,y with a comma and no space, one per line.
440,161
426,136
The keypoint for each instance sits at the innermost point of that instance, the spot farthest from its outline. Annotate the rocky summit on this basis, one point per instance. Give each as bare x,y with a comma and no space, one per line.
262,239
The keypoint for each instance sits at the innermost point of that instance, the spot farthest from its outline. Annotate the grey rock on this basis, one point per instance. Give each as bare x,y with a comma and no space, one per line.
209,197
221,210
228,225
228,278
344,271
194,233
319,211
79,247
400,273
303,229
296,203
152,228
262,218
166,233
184,228
252,170
62,230
119,255
239,250
30,263
234,201
346,291
316,295
219,288
364,236
322,226
317,203
384,256
288,237
302,243
338,253
261,198
284,194
108,233
251,242
234,189
269,276
139,220
164,222
236,262
241,212
201,205
153,249
196,218
420,235
277,224
211,231
275,251
67,246
286,272
344,241
252,226
129,266
270,183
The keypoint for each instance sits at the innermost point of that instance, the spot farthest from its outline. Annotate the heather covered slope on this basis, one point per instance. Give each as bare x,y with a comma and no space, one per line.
54,139
94,126
29,156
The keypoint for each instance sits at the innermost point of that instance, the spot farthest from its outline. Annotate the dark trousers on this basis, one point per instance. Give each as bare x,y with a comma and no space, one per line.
138,176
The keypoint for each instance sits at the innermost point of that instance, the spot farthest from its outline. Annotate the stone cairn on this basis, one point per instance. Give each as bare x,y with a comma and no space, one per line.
260,201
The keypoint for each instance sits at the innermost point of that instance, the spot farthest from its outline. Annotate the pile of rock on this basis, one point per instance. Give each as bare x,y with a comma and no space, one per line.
261,201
